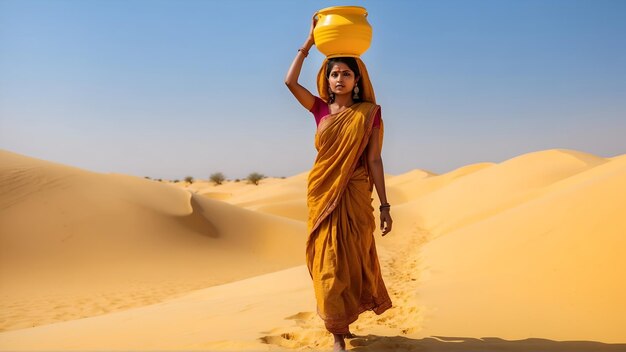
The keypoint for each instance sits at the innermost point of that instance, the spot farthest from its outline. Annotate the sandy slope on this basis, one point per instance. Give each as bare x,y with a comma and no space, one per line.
283,197
483,191
228,316
76,243
532,247
550,266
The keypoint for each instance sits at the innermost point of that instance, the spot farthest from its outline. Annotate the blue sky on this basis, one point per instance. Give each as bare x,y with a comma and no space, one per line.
174,88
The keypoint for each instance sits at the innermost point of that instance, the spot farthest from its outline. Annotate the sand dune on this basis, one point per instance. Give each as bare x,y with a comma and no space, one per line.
489,189
416,183
282,197
483,257
69,233
547,267
285,198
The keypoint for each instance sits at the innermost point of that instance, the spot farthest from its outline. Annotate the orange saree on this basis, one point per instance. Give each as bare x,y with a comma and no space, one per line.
340,251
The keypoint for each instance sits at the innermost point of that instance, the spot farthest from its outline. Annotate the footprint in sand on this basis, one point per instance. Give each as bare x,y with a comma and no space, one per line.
308,333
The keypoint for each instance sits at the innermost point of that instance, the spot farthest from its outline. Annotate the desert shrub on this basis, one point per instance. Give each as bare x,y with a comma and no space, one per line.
255,177
189,179
217,178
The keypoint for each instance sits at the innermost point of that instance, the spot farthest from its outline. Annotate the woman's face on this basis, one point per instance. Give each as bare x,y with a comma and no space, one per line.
341,79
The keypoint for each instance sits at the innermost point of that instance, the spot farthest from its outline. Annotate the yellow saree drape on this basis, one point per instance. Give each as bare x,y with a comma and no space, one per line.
340,251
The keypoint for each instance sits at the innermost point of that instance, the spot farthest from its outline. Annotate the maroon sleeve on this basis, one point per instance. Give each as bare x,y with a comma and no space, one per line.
377,119
319,109
316,105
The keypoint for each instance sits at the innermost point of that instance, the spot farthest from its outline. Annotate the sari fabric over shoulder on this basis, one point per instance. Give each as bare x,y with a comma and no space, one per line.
340,251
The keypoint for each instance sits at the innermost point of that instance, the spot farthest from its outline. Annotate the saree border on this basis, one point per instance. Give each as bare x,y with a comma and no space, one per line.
341,325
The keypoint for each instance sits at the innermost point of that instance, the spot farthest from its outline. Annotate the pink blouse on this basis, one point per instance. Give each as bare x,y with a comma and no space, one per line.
320,109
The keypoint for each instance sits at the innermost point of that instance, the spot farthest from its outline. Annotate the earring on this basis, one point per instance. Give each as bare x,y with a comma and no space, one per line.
331,95
356,93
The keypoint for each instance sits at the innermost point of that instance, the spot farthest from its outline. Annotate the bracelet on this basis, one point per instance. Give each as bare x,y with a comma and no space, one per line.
384,206
304,51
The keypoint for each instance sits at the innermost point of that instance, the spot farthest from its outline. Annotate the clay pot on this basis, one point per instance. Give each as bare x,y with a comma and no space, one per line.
342,31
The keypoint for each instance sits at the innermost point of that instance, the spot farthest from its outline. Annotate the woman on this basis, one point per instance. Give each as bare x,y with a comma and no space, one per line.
341,253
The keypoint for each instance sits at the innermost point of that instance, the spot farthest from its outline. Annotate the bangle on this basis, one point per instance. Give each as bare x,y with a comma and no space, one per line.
304,51
384,206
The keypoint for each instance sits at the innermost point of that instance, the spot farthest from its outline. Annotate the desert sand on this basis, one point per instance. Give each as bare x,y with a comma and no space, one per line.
523,255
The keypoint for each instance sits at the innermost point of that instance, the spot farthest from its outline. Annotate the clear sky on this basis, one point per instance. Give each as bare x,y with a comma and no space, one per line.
168,89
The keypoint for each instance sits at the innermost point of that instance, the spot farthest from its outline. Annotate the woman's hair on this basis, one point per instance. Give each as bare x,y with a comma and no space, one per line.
352,64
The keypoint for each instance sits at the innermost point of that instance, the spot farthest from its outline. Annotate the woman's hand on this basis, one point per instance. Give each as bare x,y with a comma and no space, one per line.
385,218
311,38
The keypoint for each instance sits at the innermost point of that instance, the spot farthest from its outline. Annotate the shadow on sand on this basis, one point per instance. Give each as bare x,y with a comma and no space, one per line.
196,221
485,344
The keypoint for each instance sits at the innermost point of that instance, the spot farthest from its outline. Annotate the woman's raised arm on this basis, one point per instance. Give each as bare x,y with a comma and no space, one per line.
291,80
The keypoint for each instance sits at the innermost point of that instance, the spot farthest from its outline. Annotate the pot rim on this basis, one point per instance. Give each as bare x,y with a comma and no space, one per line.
345,9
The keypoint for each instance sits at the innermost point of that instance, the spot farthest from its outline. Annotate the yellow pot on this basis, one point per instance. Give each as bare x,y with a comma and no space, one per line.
342,31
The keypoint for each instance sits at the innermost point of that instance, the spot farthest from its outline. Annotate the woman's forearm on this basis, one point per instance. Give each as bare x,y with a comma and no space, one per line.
296,65
378,174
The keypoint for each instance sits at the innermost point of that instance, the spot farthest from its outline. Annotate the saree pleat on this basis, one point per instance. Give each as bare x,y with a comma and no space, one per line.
341,251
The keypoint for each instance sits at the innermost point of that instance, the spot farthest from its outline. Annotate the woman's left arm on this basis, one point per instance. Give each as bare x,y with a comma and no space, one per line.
375,165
